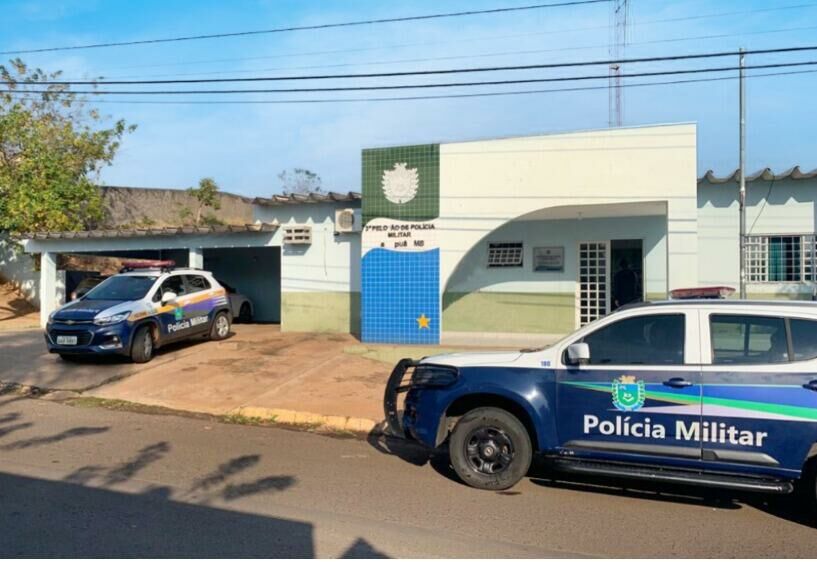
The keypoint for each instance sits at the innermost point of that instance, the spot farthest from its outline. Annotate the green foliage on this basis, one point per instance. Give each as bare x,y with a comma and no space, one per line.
300,181
207,195
52,149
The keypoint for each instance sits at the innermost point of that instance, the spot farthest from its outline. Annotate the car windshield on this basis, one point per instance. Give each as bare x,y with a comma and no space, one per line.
122,288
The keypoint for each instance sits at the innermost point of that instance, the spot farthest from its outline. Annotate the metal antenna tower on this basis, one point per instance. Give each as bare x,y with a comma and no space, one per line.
619,22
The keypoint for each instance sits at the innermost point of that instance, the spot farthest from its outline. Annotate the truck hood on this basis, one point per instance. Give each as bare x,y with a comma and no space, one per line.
482,359
82,310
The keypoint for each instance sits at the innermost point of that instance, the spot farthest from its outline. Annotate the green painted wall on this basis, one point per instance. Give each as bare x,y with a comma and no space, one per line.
425,206
544,313
320,312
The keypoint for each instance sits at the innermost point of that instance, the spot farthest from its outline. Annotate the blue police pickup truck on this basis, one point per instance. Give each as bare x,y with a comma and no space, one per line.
139,310
715,393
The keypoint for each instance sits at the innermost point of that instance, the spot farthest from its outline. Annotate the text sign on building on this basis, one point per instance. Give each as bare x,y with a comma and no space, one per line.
549,258
400,264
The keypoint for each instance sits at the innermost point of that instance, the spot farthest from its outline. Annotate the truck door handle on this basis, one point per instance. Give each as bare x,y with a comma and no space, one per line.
678,382
811,385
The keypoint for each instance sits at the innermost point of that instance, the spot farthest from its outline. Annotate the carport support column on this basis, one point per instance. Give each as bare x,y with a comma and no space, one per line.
48,286
196,259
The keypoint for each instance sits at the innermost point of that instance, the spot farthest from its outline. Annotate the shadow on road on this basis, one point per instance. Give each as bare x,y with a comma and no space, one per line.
45,518
62,436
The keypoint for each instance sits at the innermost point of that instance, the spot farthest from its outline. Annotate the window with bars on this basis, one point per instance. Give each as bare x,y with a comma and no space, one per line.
505,254
781,259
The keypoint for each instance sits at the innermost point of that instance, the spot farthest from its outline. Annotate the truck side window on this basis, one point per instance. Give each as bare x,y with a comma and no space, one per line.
747,340
650,339
803,339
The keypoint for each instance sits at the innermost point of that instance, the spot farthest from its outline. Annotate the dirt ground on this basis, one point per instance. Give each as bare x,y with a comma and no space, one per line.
15,312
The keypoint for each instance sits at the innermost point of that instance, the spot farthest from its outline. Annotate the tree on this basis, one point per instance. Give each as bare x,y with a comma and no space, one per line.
299,181
52,149
207,195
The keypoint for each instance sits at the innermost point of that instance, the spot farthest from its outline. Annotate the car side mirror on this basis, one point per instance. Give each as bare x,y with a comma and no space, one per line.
169,297
578,354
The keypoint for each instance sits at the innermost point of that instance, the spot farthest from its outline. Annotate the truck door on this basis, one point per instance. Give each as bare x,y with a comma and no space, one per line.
639,397
760,393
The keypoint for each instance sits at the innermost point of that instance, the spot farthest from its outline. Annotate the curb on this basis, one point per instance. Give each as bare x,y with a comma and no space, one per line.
294,417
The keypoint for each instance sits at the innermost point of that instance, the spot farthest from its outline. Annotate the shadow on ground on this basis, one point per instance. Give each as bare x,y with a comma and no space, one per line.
797,508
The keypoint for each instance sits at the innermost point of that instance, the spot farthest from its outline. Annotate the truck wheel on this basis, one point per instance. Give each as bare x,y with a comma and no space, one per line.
141,350
221,327
245,314
490,449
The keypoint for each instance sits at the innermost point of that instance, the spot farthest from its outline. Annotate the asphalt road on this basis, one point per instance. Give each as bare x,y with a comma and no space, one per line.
91,482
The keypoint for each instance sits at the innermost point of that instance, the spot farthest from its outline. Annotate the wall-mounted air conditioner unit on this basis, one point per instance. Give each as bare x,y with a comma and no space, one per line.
297,235
347,220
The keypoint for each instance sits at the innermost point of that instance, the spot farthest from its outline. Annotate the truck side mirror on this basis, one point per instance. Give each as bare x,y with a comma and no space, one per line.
578,354
169,297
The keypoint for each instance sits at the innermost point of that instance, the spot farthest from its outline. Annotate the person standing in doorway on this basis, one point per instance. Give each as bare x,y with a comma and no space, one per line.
625,285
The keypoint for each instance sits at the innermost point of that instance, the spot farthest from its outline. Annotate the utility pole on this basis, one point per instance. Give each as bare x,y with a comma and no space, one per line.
618,41
742,192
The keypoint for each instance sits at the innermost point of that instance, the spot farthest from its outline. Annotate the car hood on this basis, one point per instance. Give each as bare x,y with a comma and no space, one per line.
482,359
84,310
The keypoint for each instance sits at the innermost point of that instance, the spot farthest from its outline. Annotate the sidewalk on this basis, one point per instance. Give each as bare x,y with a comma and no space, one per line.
297,378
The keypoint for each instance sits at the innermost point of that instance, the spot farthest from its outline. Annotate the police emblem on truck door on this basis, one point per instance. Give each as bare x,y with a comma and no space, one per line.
628,393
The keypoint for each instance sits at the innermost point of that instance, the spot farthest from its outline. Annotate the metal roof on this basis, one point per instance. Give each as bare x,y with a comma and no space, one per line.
294,199
766,174
141,232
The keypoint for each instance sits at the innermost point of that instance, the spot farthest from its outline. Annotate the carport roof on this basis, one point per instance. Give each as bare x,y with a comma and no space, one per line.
295,199
165,231
766,174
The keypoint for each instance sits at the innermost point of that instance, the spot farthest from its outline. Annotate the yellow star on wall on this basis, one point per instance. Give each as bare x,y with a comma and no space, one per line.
423,321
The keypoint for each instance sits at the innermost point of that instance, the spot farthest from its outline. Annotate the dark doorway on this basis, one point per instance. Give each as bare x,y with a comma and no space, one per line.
627,261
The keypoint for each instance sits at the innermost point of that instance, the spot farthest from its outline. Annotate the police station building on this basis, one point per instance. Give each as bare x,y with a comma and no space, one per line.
494,238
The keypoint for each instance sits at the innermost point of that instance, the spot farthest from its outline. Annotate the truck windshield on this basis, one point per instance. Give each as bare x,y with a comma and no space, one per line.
122,288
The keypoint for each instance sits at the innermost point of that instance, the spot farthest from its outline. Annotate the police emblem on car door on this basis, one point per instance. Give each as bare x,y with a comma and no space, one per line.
636,396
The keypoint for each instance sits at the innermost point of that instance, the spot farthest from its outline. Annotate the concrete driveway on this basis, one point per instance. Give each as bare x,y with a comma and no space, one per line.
25,360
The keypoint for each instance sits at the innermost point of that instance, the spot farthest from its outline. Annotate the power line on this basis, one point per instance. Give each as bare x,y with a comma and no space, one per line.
424,86
307,27
27,95
478,55
573,64
475,39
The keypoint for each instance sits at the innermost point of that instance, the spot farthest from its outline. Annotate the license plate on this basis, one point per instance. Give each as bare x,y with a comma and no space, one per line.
66,340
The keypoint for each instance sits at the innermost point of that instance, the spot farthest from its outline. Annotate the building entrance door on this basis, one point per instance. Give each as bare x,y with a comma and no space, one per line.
592,295
627,272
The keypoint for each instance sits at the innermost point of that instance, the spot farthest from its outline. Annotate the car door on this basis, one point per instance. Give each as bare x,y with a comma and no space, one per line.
171,315
198,304
639,397
759,392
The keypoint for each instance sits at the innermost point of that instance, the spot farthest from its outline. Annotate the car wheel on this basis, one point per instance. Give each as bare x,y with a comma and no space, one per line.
221,327
142,347
490,449
245,313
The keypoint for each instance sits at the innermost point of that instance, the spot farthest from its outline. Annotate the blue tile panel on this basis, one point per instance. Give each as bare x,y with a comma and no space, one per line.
400,294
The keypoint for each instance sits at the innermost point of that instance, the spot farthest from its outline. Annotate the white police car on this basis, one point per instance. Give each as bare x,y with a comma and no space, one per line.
708,392
139,310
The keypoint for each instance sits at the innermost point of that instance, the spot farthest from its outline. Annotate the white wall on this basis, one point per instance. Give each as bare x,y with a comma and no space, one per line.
781,207
330,264
485,184
19,268
473,274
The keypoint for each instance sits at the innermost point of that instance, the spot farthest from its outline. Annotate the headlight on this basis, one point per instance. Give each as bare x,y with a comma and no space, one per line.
433,375
113,319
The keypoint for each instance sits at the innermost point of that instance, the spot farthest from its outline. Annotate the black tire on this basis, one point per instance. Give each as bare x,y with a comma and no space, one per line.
142,345
217,329
245,313
490,449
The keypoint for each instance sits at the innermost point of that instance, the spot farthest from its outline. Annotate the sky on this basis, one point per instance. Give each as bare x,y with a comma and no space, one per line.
245,146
